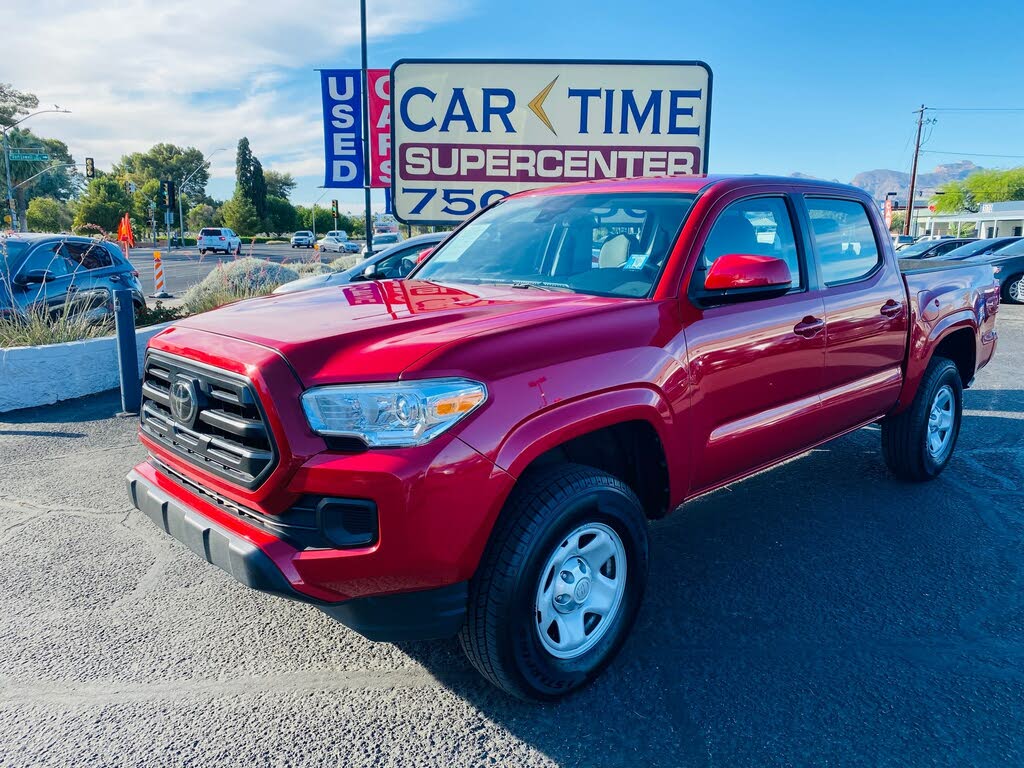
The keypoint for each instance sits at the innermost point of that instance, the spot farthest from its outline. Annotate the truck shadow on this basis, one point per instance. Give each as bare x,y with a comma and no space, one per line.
820,612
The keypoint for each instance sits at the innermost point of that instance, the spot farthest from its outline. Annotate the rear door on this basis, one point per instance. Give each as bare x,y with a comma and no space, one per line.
865,310
757,366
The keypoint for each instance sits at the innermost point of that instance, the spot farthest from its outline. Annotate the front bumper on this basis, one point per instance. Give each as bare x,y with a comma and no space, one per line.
416,615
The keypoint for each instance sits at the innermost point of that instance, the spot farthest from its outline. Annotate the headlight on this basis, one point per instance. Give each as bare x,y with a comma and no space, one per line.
392,415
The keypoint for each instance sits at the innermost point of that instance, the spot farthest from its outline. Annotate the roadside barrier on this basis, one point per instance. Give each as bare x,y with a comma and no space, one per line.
158,278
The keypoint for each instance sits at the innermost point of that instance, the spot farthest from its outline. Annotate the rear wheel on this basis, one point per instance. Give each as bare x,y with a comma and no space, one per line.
918,443
560,583
1013,290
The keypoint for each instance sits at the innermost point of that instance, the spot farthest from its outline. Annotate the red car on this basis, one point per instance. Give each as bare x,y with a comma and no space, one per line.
476,450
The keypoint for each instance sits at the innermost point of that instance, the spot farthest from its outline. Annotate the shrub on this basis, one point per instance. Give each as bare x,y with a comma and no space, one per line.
309,268
156,314
342,263
242,279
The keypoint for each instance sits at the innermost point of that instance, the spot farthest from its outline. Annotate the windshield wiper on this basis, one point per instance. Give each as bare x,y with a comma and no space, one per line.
525,284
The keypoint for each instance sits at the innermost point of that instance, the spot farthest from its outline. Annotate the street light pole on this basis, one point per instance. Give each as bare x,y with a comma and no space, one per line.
314,212
7,160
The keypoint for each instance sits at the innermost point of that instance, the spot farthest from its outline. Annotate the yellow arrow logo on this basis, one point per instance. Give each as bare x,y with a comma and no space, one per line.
537,105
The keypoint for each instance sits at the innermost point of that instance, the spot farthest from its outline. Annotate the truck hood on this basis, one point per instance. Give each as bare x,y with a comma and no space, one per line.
374,331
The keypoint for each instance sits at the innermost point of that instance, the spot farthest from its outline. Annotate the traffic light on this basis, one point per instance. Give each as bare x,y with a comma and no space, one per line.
334,208
90,168
169,194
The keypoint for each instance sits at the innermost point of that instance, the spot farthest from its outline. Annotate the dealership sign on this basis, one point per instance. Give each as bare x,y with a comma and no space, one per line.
342,95
467,133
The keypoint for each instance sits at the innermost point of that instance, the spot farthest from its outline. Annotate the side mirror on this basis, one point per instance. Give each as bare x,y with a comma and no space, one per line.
34,277
747,274
370,271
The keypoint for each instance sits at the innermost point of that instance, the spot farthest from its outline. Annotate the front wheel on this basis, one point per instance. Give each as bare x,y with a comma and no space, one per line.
918,443
560,583
1013,290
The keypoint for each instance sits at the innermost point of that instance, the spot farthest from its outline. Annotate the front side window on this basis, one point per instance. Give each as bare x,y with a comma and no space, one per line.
602,244
844,239
51,257
759,226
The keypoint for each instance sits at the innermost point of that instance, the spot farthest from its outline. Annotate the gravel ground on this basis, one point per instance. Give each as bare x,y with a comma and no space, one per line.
821,613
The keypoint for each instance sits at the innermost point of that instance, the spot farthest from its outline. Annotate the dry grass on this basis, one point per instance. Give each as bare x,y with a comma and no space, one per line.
37,327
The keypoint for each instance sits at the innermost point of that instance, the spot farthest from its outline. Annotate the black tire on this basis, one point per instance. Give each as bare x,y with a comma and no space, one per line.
905,436
1015,281
202,251
501,635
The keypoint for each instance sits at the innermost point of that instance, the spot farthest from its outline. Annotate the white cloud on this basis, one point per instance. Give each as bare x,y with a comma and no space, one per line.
195,72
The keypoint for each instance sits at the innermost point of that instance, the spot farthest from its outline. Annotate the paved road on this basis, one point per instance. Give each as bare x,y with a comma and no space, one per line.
821,613
184,266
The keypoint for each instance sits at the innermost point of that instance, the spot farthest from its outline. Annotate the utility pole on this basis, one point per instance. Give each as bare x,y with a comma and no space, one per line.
366,134
913,172
12,209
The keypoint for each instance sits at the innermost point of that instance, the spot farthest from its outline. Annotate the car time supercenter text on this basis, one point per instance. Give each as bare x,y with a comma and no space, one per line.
609,113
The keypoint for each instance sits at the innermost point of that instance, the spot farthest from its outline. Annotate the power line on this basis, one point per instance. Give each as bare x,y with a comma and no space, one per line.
967,154
975,109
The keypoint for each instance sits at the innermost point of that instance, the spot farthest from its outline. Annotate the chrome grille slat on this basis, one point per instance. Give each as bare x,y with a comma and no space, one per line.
228,435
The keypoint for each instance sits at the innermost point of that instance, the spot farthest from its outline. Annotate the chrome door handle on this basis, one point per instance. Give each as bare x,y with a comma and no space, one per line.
892,308
809,327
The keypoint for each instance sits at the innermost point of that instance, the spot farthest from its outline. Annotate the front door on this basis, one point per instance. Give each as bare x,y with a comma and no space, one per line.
756,366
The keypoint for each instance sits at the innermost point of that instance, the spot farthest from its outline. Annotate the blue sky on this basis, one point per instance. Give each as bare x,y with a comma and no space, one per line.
824,88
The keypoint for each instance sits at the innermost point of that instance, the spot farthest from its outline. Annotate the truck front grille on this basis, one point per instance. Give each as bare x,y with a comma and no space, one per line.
208,417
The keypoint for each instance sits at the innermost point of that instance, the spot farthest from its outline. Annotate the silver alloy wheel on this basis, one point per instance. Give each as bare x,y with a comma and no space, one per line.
1017,289
580,590
940,422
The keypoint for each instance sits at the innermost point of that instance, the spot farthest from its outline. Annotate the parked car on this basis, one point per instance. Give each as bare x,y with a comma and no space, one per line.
61,272
351,247
933,249
1008,263
303,239
476,450
337,234
394,263
383,241
982,247
902,241
329,243
213,239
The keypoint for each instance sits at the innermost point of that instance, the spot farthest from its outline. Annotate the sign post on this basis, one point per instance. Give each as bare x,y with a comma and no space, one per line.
464,134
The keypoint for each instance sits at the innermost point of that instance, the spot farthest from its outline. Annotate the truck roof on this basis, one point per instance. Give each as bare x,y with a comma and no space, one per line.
686,184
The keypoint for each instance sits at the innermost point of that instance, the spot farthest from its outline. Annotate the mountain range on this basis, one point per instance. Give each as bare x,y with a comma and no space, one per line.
882,180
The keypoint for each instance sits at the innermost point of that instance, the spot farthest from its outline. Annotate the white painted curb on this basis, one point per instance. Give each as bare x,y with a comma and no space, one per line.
31,376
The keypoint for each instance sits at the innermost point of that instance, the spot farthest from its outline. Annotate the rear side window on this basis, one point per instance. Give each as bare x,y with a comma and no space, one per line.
209,233
843,238
87,255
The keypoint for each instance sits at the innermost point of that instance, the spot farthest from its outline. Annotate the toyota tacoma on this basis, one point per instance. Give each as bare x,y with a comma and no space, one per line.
476,450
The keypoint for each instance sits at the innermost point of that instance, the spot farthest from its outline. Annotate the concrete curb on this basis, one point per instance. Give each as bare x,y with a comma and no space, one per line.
31,376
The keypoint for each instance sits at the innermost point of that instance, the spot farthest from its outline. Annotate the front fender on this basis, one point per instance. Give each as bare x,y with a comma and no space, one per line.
564,421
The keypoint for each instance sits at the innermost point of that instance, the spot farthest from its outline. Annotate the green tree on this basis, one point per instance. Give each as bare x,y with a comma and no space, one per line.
166,161
898,217
240,214
279,184
200,216
985,186
244,169
281,216
259,188
46,214
15,104
102,205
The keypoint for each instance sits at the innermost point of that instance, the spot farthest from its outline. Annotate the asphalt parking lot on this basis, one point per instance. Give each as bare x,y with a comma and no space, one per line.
818,614
185,266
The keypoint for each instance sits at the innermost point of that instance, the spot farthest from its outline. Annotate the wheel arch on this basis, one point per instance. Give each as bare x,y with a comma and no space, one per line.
627,433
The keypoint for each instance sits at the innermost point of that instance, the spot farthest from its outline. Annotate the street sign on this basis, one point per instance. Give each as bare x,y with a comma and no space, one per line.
467,133
168,217
35,157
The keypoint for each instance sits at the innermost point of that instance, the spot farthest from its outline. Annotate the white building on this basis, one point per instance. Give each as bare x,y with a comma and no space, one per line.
992,220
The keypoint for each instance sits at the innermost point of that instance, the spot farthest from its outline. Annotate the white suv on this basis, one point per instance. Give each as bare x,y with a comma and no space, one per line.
303,239
218,239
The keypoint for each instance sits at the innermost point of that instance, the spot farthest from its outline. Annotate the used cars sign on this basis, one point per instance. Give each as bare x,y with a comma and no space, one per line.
467,133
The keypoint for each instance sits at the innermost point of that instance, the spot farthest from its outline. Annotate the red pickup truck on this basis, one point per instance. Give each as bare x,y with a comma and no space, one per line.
476,450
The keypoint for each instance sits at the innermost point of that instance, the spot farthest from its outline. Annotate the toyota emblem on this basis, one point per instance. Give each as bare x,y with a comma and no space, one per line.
184,402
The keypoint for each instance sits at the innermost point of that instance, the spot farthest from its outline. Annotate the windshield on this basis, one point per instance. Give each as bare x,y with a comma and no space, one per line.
917,248
969,249
384,239
602,244
1014,249
10,250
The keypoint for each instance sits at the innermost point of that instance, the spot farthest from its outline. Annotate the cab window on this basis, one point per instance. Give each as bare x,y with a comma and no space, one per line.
843,238
759,226
87,256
